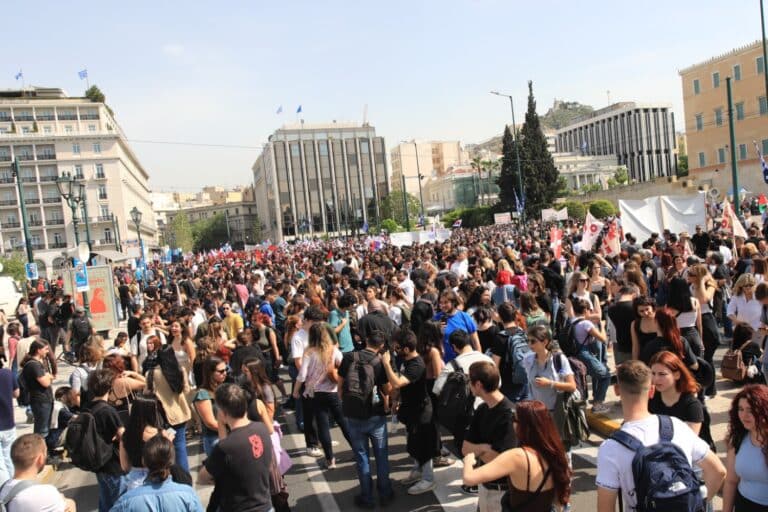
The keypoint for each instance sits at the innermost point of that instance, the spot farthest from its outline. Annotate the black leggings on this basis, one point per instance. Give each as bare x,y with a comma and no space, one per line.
320,407
742,504
711,338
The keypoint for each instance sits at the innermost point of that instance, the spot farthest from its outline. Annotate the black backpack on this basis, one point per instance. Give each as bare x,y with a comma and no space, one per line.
85,446
23,398
664,479
357,398
511,365
455,404
81,329
567,338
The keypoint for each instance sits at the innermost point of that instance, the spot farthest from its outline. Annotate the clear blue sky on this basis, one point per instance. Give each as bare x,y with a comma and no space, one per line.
189,72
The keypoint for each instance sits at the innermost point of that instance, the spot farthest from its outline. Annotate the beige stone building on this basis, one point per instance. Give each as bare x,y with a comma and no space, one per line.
706,117
50,133
431,158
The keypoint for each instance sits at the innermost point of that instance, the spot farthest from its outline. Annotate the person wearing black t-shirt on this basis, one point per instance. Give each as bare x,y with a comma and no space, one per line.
620,316
675,391
491,431
239,464
415,411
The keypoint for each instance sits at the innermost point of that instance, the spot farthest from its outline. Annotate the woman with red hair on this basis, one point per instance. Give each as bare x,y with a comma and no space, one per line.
676,390
668,338
538,471
746,486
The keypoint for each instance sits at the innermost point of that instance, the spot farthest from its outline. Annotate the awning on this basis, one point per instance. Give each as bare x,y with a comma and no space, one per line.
112,255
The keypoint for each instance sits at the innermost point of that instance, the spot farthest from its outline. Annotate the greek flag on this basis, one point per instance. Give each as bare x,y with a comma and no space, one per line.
518,204
365,224
279,110
762,162
83,74
298,110
19,75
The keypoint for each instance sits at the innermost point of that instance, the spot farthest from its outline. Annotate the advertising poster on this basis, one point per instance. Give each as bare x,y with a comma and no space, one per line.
101,296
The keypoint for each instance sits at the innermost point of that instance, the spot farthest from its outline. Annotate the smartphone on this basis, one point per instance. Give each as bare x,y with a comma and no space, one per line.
170,432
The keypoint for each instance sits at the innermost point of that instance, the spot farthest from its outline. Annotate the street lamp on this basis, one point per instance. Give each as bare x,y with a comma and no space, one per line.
136,218
517,152
419,176
73,193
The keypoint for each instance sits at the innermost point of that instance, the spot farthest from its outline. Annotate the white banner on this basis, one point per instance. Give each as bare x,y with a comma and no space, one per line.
552,215
421,237
641,217
502,218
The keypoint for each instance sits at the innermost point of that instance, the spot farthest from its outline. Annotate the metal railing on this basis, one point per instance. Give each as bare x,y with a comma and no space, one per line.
35,222
67,117
49,178
8,202
51,200
46,156
32,200
57,245
54,222
11,224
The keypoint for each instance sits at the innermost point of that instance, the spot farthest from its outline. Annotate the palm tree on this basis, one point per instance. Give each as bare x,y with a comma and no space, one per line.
490,166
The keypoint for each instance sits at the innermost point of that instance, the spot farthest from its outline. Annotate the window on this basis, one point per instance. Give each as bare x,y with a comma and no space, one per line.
763,105
721,155
103,211
740,111
79,172
765,147
696,86
699,122
97,147
47,129
68,128
91,127
99,170
25,129
760,66
102,191
742,151
715,80
702,159
107,235
76,149
57,240
719,116
737,72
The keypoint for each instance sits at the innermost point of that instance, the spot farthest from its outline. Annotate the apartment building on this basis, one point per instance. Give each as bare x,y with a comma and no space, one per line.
320,178
640,137
50,133
705,102
430,158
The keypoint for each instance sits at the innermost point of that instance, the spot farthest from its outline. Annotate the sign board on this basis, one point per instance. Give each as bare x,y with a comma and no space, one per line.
552,215
101,296
81,275
502,218
641,217
422,237
31,271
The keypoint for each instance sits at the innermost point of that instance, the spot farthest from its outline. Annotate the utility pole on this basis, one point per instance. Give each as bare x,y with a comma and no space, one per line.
765,52
732,132
517,152
418,176
405,204
85,216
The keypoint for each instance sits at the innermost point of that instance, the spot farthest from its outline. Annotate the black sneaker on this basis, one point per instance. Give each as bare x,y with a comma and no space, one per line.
469,489
386,500
360,502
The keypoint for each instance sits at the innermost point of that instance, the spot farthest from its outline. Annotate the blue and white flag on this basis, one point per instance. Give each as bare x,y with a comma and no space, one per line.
762,162
279,110
298,110
519,206
19,75
365,224
83,74
457,223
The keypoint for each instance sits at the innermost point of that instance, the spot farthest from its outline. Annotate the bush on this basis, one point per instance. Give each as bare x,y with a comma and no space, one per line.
602,208
576,210
391,226
470,217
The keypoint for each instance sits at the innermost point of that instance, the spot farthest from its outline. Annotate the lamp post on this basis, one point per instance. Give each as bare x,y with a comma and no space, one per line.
72,192
84,204
419,176
136,218
116,226
517,152
16,171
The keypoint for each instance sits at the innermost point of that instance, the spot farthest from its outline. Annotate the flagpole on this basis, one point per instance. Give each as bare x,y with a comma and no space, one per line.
765,51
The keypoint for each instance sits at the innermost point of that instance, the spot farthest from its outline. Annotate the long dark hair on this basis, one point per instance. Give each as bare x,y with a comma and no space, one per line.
209,366
536,429
158,456
171,369
756,396
679,295
145,412
430,335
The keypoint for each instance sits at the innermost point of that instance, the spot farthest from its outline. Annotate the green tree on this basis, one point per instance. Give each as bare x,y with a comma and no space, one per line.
602,208
180,232
541,183
507,180
94,94
210,233
13,265
682,165
392,208
619,178
576,210
256,230
391,226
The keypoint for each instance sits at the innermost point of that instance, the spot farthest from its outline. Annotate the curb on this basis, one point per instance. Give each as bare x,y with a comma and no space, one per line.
602,424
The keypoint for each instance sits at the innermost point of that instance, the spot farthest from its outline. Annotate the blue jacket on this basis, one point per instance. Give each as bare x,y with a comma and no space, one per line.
167,495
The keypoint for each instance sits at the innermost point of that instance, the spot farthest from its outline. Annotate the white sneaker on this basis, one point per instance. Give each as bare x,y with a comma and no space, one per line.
413,477
421,487
334,443
314,451
601,408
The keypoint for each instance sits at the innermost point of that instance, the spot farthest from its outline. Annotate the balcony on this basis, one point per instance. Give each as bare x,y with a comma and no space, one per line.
37,246
5,158
102,197
6,119
89,116
54,222
99,176
67,117
32,200
29,179
46,156
7,180
35,222
23,117
24,157
51,200
8,202
103,218
46,117
105,241
57,245
11,225
52,177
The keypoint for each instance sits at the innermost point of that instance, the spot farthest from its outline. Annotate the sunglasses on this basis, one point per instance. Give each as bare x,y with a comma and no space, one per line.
583,280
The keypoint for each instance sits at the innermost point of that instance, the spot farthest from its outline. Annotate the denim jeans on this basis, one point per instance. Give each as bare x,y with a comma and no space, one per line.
373,429
7,437
320,408
601,376
109,490
209,441
42,412
180,445
427,470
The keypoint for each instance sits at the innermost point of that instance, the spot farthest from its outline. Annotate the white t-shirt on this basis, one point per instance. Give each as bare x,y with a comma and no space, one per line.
408,288
460,268
614,461
36,498
299,343
138,344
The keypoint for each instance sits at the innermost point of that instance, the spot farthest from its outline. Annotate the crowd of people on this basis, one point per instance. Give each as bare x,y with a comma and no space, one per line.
485,347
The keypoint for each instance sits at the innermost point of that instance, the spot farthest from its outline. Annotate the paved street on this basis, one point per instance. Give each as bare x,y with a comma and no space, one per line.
312,488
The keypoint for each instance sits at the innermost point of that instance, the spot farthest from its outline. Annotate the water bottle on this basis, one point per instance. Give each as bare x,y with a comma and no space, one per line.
376,397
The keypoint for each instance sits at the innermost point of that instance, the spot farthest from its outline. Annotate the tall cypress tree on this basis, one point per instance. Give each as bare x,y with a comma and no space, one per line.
507,180
541,179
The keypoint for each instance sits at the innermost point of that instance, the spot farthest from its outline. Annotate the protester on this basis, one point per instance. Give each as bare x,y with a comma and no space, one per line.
9,389
38,378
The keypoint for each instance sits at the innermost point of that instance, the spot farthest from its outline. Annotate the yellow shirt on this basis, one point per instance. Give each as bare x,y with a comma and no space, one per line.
233,324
